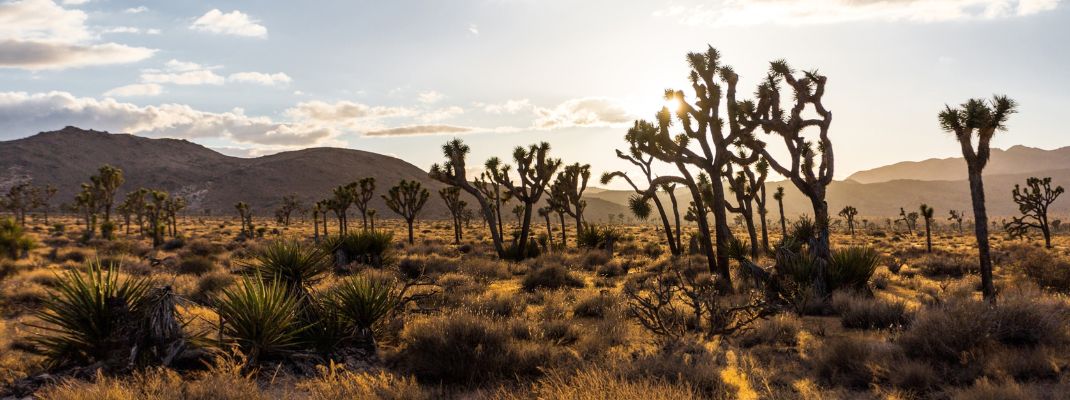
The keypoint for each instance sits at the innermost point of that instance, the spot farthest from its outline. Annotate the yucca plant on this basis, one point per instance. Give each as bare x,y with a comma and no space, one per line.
261,316
364,301
295,265
13,240
87,316
365,247
851,267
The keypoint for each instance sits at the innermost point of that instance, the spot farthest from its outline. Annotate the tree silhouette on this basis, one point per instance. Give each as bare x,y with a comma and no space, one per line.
956,217
636,157
340,202
927,215
154,212
779,197
363,192
1033,202
849,213
290,203
246,218
407,199
982,119
535,168
452,172
452,196
572,182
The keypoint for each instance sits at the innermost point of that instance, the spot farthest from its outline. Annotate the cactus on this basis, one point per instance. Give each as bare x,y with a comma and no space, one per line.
981,118
1033,202
407,199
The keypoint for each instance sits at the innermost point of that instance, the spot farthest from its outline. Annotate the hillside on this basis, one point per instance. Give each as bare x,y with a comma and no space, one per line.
210,181
1015,160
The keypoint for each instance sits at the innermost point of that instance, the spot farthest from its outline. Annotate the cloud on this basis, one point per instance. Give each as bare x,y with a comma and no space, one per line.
23,112
441,114
135,90
473,29
342,111
260,78
182,66
122,29
74,2
583,112
40,35
233,23
508,107
197,77
414,130
136,10
430,97
805,12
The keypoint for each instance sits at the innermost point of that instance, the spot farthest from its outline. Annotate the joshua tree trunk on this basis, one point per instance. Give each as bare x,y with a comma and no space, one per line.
564,231
409,222
549,231
673,249
525,228
980,216
928,237
676,218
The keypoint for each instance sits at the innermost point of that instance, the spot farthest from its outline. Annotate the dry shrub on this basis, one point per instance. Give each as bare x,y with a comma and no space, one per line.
781,330
498,304
336,383
986,390
159,384
680,363
195,265
1044,268
485,269
203,248
433,264
1023,364
600,384
595,258
913,376
210,285
859,312
948,332
552,276
944,264
595,305
847,361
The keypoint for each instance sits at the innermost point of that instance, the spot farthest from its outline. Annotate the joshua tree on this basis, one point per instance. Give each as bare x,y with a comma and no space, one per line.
154,211
927,215
745,185
545,213
339,204
956,217
290,203
452,197
324,206
42,199
644,162
246,218
779,197
534,167
363,197
18,199
452,172
407,199
105,184
639,207
371,218
492,190
849,213
909,219
171,209
981,118
572,182
317,210
1033,202
86,202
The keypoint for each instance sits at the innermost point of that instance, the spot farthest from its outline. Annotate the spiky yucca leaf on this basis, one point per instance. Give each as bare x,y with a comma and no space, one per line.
294,264
364,301
84,313
851,267
261,316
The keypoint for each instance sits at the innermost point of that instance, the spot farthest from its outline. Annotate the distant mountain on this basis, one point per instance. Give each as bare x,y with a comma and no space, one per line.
210,181
1015,160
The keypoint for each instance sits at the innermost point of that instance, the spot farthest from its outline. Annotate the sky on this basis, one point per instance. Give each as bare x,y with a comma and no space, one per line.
402,77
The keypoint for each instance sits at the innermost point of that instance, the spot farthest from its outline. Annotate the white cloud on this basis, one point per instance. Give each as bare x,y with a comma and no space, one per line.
136,10
441,114
122,29
233,23
74,2
804,12
415,130
182,66
473,29
342,111
23,112
430,97
583,112
137,89
508,107
152,31
196,77
261,78
40,34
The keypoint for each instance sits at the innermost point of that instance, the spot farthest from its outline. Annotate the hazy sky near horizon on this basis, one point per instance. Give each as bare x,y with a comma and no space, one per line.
402,77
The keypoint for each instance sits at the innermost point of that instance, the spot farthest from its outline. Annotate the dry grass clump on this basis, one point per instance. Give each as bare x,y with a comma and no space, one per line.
861,312
849,362
336,383
550,276
597,305
600,384
941,264
1046,269
159,384
195,265
781,330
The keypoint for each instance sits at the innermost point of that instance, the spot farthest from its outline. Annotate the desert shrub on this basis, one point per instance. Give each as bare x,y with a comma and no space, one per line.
653,249
74,255
1030,364
680,363
13,241
261,317
942,264
204,248
290,262
336,383
1046,270
363,301
84,314
1027,319
195,265
871,313
781,330
881,280
986,390
532,250
595,306
559,331
595,258
498,305
459,349
948,332
372,248
211,284
845,361
599,383
173,244
485,269
912,375
416,266
550,276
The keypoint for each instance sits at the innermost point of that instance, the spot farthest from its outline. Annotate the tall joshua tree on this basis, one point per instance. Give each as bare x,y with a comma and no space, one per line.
407,199
246,217
316,211
1033,202
290,203
361,198
155,212
982,119
849,213
494,193
105,184
545,212
341,200
452,172
644,161
927,215
452,197
534,167
572,182
956,217
779,197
